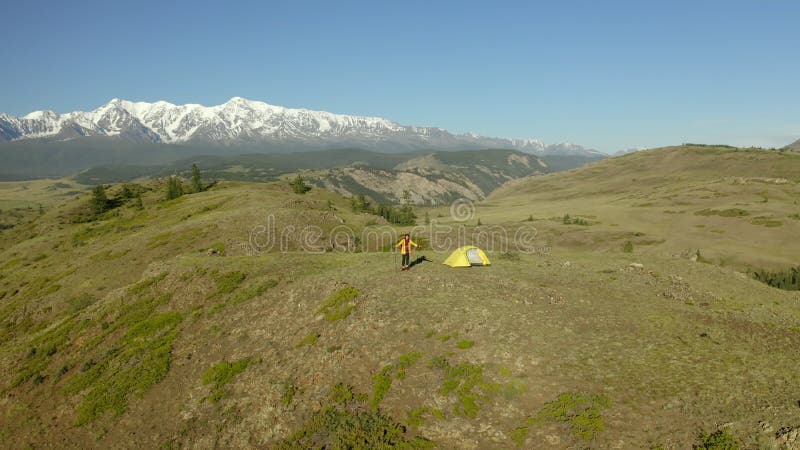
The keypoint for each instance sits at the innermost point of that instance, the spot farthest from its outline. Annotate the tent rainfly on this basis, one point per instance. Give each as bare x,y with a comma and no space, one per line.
467,256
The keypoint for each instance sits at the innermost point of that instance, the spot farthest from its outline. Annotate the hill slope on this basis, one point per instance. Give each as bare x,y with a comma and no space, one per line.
127,332
731,204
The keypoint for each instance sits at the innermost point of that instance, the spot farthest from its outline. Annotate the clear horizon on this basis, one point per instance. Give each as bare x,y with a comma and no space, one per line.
610,77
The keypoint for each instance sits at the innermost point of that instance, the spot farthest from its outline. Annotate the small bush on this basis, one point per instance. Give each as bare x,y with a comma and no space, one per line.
197,182
299,185
381,382
581,412
567,220
627,247
788,279
289,391
229,281
339,305
465,344
99,201
718,440
310,339
174,188
219,375
338,427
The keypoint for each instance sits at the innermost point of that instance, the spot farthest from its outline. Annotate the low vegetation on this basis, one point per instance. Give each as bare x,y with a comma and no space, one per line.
347,424
718,440
340,304
219,375
398,215
582,413
174,188
731,212
138,361
299,185
567,220
788,279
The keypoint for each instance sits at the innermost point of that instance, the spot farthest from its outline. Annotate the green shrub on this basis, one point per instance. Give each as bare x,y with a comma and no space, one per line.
406,361
229,281
289,391
627,247
299,185
174,188
339,305
567,220
310,339
338,427
138,361
718,440
99,201
341,393
581,412
197,181
788,279
381,382
219,375
465,344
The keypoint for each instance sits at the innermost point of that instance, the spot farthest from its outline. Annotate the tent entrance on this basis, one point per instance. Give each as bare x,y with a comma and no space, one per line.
474,258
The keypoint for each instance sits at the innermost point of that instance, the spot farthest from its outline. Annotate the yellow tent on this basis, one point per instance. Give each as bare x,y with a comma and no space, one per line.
467,256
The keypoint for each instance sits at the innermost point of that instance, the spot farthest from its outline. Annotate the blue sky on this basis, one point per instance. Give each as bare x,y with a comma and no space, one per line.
605,74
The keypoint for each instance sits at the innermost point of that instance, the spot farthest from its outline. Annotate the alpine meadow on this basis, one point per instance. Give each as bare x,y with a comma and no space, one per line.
247,275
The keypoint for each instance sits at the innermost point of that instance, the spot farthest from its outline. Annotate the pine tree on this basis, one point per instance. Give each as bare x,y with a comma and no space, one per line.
299,186
174,188
197,182
99,200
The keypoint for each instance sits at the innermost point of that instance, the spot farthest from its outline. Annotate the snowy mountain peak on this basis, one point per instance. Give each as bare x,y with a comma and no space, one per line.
245,122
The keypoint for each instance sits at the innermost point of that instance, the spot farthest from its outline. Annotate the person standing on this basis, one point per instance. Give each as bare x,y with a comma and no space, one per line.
406,245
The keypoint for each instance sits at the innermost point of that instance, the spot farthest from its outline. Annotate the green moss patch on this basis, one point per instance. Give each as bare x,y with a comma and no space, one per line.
289,391
465,344
347,424
339,305
382,381
310,339
139,360
228,282
219,375
582,413
42,349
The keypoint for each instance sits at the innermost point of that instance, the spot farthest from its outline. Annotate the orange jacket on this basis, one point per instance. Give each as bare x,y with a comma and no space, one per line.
405,247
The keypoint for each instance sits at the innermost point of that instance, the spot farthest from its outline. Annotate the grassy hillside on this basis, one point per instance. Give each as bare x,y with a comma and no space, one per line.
129,332
738,207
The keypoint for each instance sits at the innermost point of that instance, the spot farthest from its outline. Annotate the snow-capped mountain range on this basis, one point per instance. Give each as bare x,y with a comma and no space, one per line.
244,122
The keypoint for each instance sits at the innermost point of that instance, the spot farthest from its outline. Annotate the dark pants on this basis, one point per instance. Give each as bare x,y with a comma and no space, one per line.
406,257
